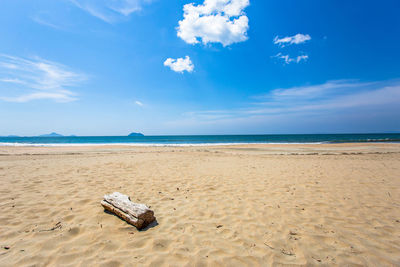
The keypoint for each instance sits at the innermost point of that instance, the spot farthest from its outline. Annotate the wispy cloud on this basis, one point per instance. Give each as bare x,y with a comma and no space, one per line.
38,19
140,104
54,20
332,95
289,40
110,10
179,65
214,21
287,59
335,87
24,80
333,99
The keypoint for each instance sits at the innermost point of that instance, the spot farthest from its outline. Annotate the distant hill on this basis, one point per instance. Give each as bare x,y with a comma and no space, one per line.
136,134
51,135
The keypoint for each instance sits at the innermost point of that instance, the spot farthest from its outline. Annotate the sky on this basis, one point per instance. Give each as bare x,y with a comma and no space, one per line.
111,67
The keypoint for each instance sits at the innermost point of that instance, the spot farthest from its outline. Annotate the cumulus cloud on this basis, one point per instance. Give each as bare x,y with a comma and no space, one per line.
24,80
110,10
214,21
179,65
287,59
289,40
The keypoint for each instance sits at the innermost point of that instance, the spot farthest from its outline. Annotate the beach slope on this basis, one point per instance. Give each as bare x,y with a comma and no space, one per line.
248,205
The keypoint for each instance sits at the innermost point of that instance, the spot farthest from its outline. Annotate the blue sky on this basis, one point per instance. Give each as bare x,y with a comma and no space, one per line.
110,67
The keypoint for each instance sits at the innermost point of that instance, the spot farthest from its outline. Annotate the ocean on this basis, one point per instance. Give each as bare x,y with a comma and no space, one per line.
184,140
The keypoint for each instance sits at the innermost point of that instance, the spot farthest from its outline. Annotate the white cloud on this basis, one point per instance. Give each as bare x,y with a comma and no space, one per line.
214,21
300,58
59,97
110,10
289,40
140,104
315,91
341,97
287,59
24,80
332,95
41,21
179,65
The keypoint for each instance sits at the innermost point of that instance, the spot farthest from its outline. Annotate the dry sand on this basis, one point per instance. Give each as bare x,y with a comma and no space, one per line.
250,205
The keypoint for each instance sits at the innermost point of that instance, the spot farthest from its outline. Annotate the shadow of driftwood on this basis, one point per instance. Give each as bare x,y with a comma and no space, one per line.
152,225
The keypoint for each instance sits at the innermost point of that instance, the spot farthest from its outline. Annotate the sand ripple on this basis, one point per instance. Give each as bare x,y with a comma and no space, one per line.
213,207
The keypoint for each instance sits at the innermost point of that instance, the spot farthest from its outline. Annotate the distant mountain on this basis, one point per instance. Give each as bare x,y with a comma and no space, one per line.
51,135
136,134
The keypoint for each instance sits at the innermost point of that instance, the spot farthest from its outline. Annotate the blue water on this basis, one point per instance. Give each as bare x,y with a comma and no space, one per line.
201,139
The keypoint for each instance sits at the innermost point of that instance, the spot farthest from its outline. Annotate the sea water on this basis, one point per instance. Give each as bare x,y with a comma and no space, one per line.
182,140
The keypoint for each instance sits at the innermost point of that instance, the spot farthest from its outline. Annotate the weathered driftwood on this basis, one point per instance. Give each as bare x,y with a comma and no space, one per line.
138,215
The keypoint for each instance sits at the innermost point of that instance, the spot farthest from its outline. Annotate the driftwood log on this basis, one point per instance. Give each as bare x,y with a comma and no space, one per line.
121,205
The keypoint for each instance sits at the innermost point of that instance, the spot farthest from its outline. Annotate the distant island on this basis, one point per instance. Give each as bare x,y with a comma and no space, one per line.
51,135
136,134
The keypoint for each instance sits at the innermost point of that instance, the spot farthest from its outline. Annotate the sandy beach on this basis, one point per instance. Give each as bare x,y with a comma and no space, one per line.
244,205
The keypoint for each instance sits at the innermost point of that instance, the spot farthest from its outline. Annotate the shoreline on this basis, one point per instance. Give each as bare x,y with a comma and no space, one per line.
2,144
152,144
270,149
